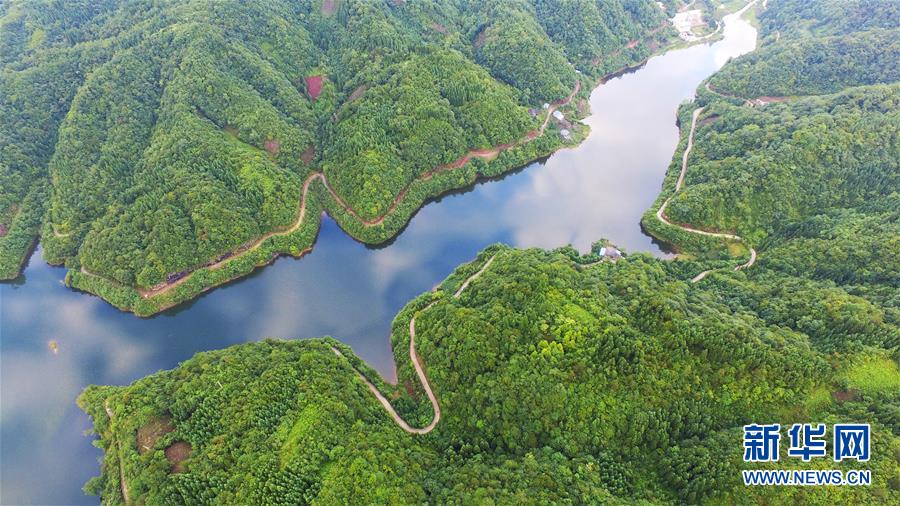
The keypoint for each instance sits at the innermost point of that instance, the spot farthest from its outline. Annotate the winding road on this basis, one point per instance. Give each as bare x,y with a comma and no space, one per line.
414,358
486,154
661,212
417,364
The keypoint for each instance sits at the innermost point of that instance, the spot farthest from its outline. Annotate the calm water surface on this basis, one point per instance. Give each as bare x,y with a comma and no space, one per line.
343,289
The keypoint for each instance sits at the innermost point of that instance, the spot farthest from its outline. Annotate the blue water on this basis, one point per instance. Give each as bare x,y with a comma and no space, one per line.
343,288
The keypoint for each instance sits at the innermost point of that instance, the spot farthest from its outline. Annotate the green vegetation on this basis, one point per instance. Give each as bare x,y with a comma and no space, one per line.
148,141
557,382
806,170
874,375
562,379
812,65
756,169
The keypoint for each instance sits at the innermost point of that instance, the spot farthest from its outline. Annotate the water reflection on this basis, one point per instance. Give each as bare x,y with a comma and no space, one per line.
343,288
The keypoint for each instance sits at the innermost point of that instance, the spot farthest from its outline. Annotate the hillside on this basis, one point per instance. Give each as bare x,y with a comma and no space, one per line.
162,148
556,382
562,378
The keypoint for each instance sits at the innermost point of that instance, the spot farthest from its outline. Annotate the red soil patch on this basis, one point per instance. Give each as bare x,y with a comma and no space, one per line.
308,154
439,28
152,431
272,146
3,230
313,86
632,43
176,453
772,100
328,7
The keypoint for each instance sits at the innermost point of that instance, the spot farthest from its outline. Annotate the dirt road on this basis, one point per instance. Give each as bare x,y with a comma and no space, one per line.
420,370
661,212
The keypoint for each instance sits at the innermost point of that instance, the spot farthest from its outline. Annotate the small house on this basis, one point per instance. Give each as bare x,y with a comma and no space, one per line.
558,115
610,252
565,134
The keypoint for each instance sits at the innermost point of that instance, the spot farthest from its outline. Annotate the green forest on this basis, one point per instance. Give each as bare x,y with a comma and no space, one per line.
562,379
159,148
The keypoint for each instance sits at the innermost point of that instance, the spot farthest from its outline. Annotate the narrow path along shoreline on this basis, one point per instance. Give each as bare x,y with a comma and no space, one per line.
752,102
123,485
403,424
486,154
661,212
417,364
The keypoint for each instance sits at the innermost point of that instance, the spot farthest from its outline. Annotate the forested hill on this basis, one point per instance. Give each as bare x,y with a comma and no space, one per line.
618,383
562,379
147,139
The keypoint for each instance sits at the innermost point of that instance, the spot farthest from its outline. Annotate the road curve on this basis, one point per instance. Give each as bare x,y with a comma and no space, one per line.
487,154
661,212
417,364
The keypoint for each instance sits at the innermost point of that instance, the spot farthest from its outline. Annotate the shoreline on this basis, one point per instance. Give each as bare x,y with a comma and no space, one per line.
150,305
297,240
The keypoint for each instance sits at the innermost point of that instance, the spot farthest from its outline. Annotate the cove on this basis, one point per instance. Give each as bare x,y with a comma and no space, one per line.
343,288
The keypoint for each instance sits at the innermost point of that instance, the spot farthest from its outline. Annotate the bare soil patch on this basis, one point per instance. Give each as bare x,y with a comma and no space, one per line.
440,28
313,86
770,100
358,92
328,7
308,154
481,38
176,453
711,119
845,395
3,230
152,431
272,146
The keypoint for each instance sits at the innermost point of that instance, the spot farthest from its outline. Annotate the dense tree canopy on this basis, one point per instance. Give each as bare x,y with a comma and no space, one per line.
562,379
144,140
557,383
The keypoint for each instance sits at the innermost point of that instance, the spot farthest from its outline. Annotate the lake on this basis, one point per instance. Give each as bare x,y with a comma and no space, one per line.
343,288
